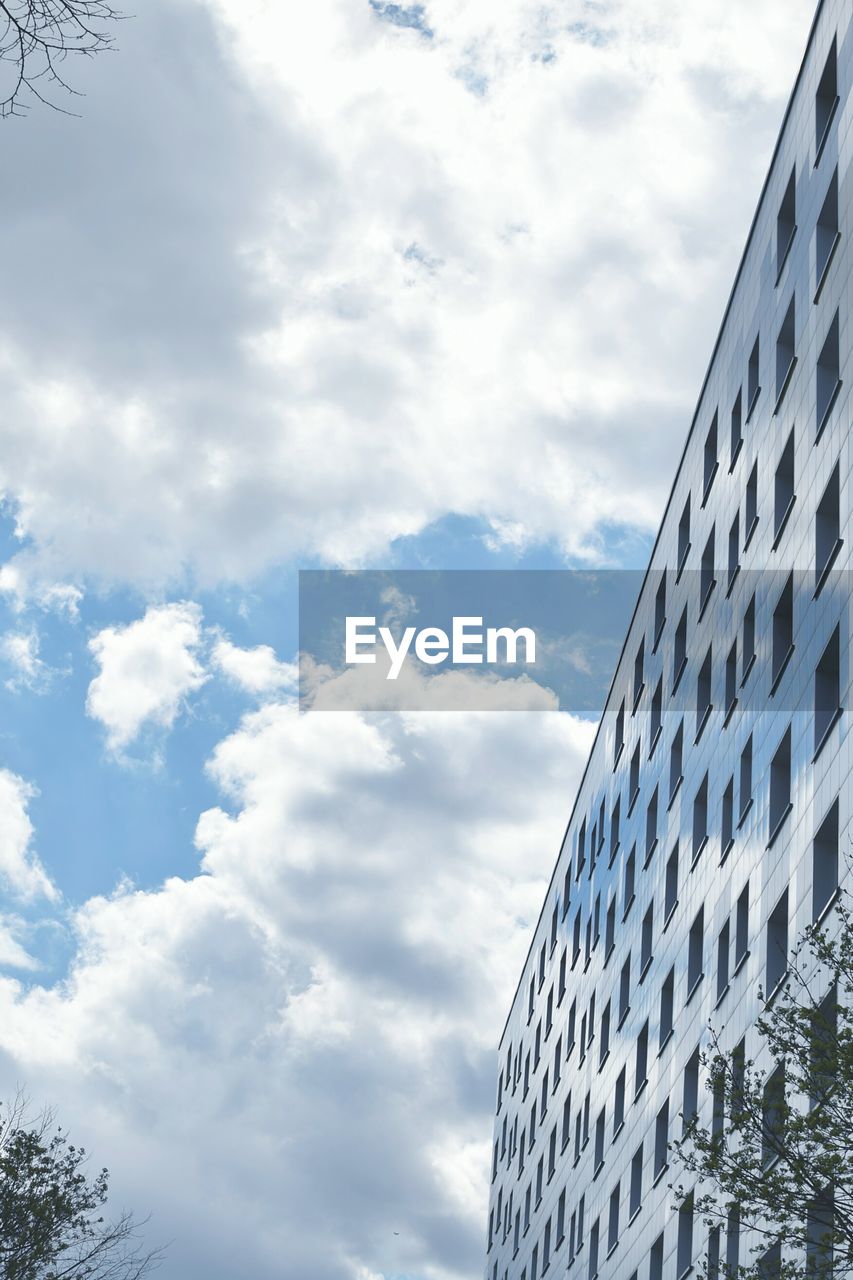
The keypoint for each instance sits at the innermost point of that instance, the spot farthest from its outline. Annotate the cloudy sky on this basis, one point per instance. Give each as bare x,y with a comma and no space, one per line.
351,284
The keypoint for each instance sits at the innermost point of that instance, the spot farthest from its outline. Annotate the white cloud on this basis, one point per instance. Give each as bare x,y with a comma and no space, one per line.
20,650
256,670
297,1045
432,300
147,671
20,870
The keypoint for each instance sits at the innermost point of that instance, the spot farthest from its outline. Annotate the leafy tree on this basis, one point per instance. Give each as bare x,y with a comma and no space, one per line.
777,1157
36,38
51,1226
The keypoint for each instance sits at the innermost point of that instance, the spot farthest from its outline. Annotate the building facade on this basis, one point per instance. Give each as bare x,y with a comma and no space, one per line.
711,822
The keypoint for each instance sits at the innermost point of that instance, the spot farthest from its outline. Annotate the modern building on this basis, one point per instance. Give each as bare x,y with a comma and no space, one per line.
714,811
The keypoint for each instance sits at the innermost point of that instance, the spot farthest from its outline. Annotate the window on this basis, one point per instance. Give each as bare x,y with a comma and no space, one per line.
827,529
690,1108
695,948
703,693
731,681
542,957
561,988
543,1105
783,632
825,863
777,945
646,940
827,690
570,1030
657,715
823,1048
733,1240
667,1001
630,871
656,1259
745,779
772,1115
615,819
555,917
537,1048
636,1197
700,819
610,930
684,535
770,1263
820,1225
676,753
534,1263
652,825
736,428
549,1013
660,609
742,927
718,1107
552,1153
738,1077
706,572
561,1217
600,1125
752,383
567,1121
604,1046
828,380
751,512
780,785
576,941
734,552
826,234
581,849
619,736
639,664
580,1221
567,890
671,891
540,1178
712,1271
593,1250
786,223
596,917
826,100
680,649
685,1236
723,944
783,489
785,353
634,778
641,1059
727,823
613,1220
625,990
546,1247
710,460
619,1103
661,1139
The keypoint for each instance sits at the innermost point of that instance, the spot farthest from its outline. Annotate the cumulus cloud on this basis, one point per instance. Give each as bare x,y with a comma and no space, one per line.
148,669
290,1056
20,869
20,651
477,272
257,670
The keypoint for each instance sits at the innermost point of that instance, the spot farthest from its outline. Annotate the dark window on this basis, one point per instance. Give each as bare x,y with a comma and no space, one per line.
680,649
676,753
706,571
826,100
646,939
738,1078
661,1138
630,869
613,1222
561,989
737,427
780,784
712,1270
734,551
770,1263
576,947
625,989
731,679
570,1031
567,890
827,528
641,1059
820,1226
772,1115
636,1181
703,693
745,778
581,849
827,690
684,535
783,630
619,740
700,818
783,488
727,824
751,511
634,779
639,666
656,1259
777,945
786,222
667,1002
748,639
671,898
657,714
826,232
690,1107
785,352
742,925
825,862
593,1250
685,1236
695,949
733,1239
752,383
823,1048
660,608
723,960
610,929
652,824
828,379
567,1120
599,1137
604,1046
710,459
619,1103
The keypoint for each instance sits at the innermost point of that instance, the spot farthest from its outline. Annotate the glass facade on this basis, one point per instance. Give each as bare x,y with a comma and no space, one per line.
710,825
